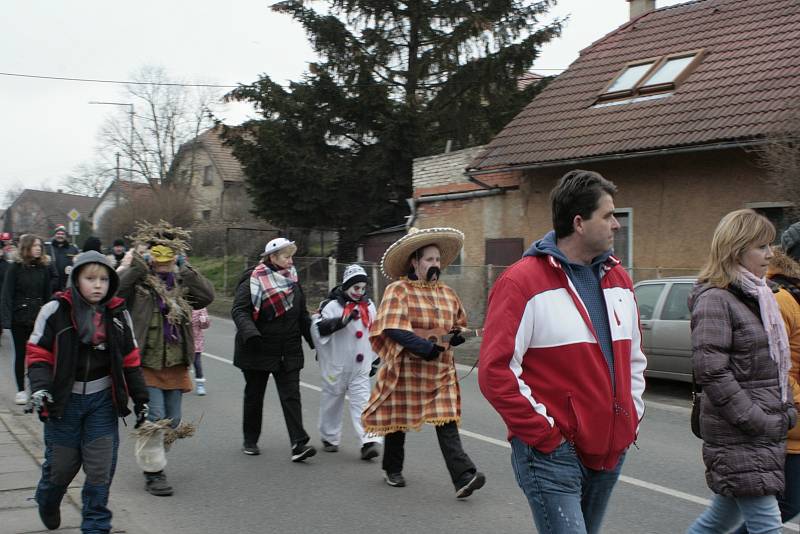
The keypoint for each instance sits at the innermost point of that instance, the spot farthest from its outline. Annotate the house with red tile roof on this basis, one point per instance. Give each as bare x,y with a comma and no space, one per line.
673,106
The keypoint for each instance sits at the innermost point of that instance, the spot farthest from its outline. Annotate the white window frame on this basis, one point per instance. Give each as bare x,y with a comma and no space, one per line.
629,214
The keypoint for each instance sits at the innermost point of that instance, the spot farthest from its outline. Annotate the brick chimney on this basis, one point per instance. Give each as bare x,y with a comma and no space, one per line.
640,7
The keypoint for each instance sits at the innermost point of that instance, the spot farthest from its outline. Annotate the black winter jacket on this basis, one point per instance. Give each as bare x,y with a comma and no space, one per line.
62,255
55,355
281,336
25,290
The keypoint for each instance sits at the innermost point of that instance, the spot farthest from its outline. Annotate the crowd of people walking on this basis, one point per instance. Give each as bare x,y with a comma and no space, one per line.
106,335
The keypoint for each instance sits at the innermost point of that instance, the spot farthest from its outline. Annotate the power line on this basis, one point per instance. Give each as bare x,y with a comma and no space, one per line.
169,84
119,82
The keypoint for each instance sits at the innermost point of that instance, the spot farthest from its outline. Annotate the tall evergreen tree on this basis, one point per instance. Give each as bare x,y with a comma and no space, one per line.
395,81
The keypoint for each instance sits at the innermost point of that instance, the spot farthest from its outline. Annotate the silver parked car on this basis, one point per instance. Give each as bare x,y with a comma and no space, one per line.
666,334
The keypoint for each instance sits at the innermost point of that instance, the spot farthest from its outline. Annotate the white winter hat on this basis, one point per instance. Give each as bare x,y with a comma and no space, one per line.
353,274
278,244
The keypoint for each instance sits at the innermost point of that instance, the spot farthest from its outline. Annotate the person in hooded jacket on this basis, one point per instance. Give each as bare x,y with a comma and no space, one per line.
271,318
341,334
83,364
741,359
28,284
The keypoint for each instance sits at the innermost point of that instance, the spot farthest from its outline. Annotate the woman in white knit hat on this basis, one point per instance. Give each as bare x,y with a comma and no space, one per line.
346,359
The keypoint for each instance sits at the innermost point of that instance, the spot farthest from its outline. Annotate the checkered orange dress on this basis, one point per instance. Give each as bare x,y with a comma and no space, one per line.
410,391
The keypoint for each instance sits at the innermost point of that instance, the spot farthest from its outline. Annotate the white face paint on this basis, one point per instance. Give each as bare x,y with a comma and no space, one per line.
356,291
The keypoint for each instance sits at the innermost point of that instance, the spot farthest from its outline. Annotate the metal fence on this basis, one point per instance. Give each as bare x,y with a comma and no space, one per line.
472,283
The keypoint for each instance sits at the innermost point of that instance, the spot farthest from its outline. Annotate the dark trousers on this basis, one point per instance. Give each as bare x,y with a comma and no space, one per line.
20,333
86,435
458,463
288,384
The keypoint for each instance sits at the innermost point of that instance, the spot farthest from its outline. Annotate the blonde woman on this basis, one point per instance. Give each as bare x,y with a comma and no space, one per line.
740,356
27,286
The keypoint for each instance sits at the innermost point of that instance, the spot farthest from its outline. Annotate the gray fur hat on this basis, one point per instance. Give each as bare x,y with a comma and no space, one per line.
790,241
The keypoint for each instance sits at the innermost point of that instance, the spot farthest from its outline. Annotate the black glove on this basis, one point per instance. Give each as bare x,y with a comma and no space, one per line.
457,338
327,327
355,314
142,410
376,363
255,345
436,350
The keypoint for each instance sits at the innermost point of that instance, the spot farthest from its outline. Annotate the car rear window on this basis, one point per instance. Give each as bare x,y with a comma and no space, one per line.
647,298
676,307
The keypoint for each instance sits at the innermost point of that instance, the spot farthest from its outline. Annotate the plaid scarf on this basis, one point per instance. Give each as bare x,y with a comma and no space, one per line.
272,289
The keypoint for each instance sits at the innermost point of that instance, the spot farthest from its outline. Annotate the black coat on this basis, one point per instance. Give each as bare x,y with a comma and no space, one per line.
25,290
282,346
62,255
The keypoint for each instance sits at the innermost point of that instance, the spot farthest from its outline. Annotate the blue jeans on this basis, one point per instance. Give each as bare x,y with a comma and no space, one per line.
564,495
789,502
165,404
85,435
761,515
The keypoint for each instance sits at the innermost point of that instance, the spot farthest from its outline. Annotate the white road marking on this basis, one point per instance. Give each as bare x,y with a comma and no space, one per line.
623,478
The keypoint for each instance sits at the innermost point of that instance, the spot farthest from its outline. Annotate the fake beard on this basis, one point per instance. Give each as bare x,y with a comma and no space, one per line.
433,274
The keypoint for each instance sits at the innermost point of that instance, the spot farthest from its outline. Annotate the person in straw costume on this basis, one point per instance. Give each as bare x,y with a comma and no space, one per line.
161,290
417,383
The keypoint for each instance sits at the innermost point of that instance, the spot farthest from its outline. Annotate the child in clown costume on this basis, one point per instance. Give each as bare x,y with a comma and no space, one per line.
341,334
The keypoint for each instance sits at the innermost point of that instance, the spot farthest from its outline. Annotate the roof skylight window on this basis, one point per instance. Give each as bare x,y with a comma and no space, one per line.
654,75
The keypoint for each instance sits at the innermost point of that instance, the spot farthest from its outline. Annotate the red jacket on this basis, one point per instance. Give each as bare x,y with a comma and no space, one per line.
543,370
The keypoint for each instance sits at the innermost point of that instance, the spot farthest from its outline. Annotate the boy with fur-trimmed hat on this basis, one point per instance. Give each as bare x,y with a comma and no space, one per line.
83,364
346,359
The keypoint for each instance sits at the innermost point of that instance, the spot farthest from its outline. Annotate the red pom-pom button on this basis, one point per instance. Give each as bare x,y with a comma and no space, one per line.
359,358
359,335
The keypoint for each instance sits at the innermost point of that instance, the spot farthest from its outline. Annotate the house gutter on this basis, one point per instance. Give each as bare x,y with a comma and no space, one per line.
471,173
414,202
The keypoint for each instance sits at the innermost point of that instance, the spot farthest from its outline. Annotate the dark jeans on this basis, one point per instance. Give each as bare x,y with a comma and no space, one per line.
198,365
789,501
20,333
288,384
458,463
565,496
86,435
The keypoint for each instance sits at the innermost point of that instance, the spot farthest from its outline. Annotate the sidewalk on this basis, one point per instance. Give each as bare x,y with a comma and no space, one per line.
20,467
21,455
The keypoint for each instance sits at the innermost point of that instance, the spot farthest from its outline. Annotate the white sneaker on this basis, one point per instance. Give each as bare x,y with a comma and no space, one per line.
201,386
21,397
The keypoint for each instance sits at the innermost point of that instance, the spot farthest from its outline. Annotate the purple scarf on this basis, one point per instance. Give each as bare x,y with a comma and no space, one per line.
171,333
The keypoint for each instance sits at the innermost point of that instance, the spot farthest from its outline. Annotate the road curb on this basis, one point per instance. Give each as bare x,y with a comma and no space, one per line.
24,429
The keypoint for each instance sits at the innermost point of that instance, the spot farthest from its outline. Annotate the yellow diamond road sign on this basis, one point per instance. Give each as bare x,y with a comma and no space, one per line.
73,214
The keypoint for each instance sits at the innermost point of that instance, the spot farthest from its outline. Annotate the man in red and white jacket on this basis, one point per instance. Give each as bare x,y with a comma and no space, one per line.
561,359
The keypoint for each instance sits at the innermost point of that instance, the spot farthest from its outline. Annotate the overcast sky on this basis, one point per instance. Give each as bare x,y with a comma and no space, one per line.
48,126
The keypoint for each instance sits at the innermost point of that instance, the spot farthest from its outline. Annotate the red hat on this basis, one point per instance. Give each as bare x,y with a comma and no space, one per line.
5,236
60,228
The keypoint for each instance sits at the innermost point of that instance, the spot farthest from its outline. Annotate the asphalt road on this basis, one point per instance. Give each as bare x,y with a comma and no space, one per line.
220,490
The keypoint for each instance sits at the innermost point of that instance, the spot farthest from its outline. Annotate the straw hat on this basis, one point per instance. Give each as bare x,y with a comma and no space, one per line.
395,261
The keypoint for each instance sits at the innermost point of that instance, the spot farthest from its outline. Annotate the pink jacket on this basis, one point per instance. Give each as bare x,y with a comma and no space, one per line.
200,322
